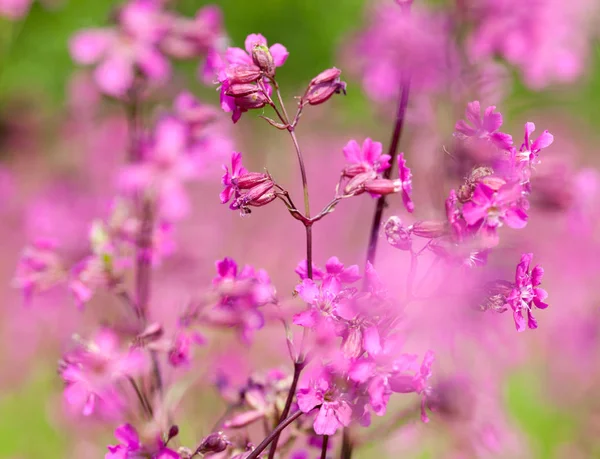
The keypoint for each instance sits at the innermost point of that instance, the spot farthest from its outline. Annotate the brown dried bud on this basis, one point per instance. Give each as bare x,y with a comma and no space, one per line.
263,59
243,74
430,229
241,90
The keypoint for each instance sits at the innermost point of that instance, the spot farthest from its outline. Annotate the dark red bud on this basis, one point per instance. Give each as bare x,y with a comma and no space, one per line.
263,59
215,443
241,90
251,101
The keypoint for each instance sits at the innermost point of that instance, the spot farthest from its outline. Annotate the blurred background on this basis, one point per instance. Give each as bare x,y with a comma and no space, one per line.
46,156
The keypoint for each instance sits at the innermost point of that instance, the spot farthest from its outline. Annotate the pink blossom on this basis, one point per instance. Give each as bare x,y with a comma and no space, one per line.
403,382
334,411
483,128
229,179
122,51
365,158
180,353
130,446
526,293
39,268
92,370
406,183
488,210
530,149
14,9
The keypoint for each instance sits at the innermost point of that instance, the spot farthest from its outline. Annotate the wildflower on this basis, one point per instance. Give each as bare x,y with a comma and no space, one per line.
401,381
39,268
526,293
334,411
122,51
406,183
483,128
180,353
365,158
130,446
92,370
488,210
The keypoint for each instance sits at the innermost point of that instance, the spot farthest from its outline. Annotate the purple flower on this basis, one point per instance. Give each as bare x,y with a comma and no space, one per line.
483,128
180,353
364,159
488,210
130,446
334,411
526,293
229,179
320,298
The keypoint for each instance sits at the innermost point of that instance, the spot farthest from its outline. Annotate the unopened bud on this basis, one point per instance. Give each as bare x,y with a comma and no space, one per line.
356,184
383,186
396,234
214,443
430,229
241,90
319,93
173,432
260,195
252,101
263,59
326,76
243,74
250,180
352,170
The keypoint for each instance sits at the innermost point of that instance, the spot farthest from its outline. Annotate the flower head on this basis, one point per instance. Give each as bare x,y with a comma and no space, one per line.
483,128
367,157
130,446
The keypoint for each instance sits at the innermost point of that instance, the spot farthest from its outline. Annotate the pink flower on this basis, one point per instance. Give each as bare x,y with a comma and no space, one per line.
92,371
14,9
334,411
130,446
229,179
39,268
526,293
129,48
365,158
401,381
530,149
320,299
239,57
488,210
164,167
485,128
406,183
180,353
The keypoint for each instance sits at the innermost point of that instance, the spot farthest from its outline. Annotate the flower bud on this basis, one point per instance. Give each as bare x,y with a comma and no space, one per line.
252,101
383,186
263,59
326,76
241,90
243,74
215,443
173,432
430,229
260,195
319,93
352,170
250,180
396,234
356,184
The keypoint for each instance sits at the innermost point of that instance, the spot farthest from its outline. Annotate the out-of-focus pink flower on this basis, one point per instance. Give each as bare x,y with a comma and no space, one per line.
130,446
406,180
365,158
14,9
530,149
508,28
402,382
92,370
229,179
526,293
164,167
123,51
180,353
488,210
397,45
483,128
